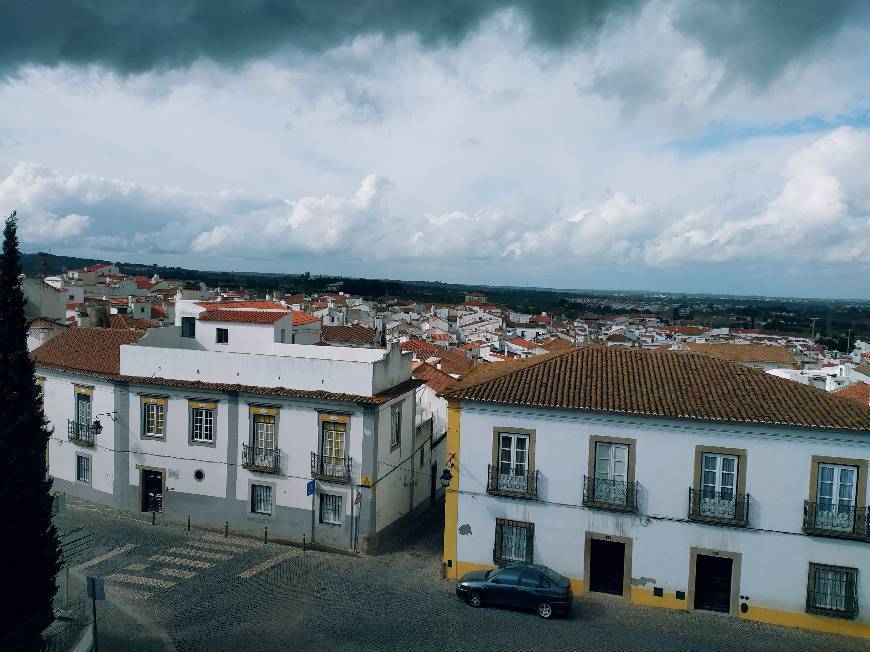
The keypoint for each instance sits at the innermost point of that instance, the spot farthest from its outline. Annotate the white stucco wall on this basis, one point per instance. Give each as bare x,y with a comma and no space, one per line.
775,552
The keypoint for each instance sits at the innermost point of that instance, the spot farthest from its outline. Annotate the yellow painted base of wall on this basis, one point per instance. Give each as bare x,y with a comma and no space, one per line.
645,597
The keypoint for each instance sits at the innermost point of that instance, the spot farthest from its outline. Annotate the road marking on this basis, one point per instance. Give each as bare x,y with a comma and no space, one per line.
143,581
181,561
234,541
137,567
177,572
193,552
127,593
112,553
217,546
266,565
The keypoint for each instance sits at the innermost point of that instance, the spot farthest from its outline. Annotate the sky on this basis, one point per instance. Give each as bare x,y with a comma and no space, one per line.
672,145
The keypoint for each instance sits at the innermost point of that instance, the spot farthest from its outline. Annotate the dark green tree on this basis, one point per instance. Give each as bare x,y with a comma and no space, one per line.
29,554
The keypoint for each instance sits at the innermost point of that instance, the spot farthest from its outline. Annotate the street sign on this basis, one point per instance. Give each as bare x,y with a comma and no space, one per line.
96,589
309,488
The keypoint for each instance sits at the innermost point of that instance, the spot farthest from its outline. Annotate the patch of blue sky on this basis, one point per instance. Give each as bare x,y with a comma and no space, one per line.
719,135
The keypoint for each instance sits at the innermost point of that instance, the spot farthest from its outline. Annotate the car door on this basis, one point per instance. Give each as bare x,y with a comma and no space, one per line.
503,588
529,590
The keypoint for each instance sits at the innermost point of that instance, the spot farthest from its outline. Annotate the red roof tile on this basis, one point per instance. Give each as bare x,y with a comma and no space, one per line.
126,322
746,352
524,343
241,305
433,377
243,316
673,384
86,349
856,392
356,333
301,318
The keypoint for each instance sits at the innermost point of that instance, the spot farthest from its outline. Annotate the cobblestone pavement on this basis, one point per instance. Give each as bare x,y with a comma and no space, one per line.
202,591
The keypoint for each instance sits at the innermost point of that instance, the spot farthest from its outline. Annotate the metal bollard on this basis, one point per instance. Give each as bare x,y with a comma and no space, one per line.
153,517
188,522
227,530
266,534
303,543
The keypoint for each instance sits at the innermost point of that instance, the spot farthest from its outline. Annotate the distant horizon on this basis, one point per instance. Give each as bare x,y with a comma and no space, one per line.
472,285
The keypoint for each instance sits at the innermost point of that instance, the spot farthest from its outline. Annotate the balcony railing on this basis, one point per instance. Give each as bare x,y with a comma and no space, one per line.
519,484
725,507
80,433
265,460
334,469
841,521
610,494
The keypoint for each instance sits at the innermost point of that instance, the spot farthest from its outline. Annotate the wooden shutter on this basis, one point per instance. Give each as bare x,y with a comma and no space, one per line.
496,548
530,543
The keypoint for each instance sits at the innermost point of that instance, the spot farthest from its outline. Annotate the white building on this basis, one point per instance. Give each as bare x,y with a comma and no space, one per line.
668,478
235,432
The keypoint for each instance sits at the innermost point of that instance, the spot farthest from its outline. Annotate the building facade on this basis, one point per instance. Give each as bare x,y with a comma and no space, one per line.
651,476
307,441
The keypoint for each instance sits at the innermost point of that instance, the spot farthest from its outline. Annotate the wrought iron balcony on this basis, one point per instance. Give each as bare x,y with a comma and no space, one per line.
81,433
610,494
264,460
334,469
523,484
722,507
840,521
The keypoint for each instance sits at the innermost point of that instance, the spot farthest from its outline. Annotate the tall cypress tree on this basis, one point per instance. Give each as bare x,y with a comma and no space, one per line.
29,554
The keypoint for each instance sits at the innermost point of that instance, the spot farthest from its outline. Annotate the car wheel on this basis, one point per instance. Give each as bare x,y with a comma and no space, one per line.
475,599
545,610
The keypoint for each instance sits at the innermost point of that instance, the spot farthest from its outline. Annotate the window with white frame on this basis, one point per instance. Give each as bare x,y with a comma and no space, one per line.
202,430
264,431
835,497
513,541
154,419
718,495
396,427
611,472
333,440
261,499
83,469
330,509
513,462
832,591
83,409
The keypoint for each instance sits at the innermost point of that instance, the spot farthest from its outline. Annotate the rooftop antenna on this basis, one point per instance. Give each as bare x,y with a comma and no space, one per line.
814,320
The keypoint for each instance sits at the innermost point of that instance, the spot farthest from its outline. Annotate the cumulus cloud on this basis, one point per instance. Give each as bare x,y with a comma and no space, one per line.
819,213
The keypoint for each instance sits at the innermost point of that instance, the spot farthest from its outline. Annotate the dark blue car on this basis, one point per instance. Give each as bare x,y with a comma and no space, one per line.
520,585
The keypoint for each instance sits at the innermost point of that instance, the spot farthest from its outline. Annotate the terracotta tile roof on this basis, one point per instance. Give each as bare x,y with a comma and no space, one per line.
440,337
301,318
557,345
127,322
243,316
672,384
94,350
157,312
746,352
454,361
617,337
422,349
856,392
433,377
524,343
241,305
356,333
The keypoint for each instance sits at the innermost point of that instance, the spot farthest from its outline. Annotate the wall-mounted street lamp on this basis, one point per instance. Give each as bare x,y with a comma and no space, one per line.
446,475
97,426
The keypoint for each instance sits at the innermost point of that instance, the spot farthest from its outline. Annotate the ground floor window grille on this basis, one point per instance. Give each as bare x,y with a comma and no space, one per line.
261,499
83,468
330,509
514,541
832,591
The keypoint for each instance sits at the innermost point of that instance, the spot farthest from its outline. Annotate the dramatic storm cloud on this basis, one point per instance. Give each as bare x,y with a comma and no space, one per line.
660,144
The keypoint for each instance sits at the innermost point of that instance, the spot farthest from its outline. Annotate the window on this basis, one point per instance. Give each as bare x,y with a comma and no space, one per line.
396,427
507,578
283,335
831,591
611,472
333,440
835,497
719,490
221,335
513,462
83,409
83,469
513,541
188,327
531,580
264,431
330,509
203,425
261,499
154,417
